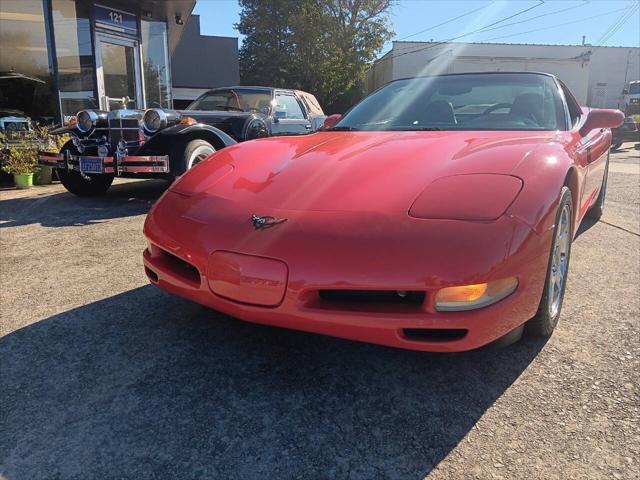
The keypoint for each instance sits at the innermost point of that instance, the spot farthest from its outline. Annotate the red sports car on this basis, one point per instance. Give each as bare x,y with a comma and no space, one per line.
437,214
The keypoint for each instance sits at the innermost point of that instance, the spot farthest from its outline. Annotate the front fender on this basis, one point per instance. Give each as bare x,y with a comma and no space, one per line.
544,173
165,139
63,130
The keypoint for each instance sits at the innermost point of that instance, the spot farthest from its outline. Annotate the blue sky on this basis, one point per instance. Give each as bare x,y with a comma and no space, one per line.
409,17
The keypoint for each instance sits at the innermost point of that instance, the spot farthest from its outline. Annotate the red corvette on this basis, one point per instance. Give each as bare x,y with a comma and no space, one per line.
437,214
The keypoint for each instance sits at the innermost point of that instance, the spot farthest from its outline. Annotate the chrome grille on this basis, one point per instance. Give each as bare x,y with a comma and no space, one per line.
124,128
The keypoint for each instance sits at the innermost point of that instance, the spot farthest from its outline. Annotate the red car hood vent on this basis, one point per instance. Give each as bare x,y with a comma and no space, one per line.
353,171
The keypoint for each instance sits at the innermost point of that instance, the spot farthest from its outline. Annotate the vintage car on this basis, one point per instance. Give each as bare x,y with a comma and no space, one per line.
14,124
166,143
627,132
404,224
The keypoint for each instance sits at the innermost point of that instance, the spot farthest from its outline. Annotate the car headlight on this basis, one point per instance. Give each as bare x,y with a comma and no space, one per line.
86,120
469,297
154,119
479,197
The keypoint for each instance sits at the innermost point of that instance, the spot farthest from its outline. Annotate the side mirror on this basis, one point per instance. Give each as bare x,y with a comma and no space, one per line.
331,120
601,118
625,92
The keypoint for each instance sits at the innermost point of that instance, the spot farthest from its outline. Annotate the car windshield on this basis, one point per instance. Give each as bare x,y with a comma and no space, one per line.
461,102
634,88
234,99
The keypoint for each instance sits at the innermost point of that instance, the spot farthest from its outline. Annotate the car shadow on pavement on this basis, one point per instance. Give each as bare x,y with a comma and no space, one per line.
65,209
147,385
585,225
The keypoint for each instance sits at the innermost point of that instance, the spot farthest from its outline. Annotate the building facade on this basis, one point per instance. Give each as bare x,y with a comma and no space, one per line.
191,75
61,56
596,75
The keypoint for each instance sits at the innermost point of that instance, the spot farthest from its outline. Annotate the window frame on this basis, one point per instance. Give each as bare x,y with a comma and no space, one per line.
571,106
305,114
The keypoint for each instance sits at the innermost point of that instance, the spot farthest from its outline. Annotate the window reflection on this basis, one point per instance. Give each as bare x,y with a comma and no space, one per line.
156,64
25,81
75,58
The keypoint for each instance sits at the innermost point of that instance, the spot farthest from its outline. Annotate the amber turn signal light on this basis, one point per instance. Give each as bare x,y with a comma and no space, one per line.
188,121
468,297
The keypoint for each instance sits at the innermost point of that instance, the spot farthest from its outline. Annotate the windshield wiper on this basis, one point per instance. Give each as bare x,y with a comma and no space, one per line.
344,129
424,129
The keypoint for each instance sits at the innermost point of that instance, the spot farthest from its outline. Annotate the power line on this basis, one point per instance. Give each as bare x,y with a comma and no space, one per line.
446,22
541,2
557,25
615,22
611,31
584,3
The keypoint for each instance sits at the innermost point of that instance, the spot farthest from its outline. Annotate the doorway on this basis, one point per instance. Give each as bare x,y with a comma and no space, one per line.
118,72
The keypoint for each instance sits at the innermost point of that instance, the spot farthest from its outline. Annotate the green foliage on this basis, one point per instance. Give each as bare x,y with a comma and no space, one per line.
20,154
321,46
21,158
49,142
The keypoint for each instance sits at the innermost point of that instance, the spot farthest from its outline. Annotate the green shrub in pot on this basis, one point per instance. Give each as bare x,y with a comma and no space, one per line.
21,160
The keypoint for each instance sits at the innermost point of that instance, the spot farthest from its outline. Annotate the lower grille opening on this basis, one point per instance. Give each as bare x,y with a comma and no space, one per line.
181,268
153,276
434,334
397,297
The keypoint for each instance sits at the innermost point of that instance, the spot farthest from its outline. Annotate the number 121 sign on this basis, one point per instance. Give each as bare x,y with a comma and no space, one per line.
116,20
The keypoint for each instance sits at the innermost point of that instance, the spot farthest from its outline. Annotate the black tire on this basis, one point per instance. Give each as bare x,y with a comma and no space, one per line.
596,211
616,146
80,184
546,319
181,157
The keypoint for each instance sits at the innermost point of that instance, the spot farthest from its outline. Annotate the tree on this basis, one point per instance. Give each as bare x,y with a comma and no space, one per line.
321,46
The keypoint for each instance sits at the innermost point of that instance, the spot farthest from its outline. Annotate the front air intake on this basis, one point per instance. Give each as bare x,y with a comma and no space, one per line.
434,334
393,297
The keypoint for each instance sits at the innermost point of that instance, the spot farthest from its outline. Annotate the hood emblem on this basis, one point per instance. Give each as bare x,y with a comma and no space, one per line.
262,222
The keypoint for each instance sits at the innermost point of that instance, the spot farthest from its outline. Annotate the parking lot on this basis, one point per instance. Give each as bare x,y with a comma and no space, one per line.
103,376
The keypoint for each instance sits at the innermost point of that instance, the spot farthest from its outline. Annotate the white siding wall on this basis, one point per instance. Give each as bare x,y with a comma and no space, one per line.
607,79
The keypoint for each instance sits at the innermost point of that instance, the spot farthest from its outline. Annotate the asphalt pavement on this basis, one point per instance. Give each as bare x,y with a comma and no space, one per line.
102,376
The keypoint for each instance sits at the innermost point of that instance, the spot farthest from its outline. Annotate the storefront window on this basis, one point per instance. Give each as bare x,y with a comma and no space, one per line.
156,64
25,80
76,75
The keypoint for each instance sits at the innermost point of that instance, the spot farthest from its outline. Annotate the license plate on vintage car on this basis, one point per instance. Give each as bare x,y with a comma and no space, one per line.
90,165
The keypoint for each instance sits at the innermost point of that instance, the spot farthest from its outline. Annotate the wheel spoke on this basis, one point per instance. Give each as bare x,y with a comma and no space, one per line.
559,258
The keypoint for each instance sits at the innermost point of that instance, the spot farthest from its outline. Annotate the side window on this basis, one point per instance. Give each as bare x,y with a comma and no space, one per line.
575,112
287,107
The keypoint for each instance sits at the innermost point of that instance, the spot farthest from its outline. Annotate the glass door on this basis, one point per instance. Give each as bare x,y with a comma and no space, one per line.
118,70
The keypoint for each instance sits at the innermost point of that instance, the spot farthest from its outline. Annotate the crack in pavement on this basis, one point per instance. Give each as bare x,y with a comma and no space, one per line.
621,228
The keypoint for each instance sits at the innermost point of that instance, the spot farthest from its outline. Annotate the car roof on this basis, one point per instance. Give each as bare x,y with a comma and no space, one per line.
515,72
246,87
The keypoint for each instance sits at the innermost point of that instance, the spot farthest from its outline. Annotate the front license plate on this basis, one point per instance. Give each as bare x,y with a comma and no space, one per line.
90,165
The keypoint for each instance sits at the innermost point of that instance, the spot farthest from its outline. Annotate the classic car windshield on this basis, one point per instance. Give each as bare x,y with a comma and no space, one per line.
509,101
234,99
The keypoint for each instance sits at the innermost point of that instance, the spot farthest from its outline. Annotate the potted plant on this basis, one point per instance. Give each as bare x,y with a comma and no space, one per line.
22,162
47,143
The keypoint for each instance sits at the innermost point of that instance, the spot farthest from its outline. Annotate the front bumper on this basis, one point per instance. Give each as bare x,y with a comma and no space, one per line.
318,251
110,165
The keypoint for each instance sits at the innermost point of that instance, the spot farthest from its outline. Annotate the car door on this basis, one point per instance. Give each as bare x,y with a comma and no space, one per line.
589,150
289,116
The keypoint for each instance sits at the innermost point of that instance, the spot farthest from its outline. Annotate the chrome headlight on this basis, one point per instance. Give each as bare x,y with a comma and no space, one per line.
154,119
86,120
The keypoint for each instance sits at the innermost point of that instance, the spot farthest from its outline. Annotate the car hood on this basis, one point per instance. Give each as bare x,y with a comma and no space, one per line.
352,171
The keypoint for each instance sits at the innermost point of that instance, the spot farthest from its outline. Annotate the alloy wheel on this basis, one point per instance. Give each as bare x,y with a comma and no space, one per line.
559,261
